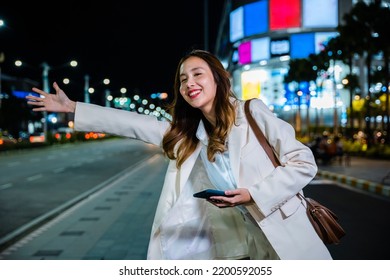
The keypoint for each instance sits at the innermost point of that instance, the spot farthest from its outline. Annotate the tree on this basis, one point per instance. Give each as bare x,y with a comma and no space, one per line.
381,26
363,19
300,70
320,64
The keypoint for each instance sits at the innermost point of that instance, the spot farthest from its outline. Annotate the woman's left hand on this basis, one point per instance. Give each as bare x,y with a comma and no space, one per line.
232,198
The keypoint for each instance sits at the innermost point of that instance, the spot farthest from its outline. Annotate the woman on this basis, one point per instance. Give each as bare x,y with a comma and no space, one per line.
210,145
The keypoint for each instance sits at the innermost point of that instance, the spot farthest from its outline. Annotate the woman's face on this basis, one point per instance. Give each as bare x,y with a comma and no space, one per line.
197,85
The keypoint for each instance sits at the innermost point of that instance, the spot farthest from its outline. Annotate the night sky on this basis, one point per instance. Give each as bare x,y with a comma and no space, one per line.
136,47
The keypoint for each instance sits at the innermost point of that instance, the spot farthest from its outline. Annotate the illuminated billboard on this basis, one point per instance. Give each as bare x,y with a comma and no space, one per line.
237,24
320,13
304,44
284,14
265,16
255,18
260,49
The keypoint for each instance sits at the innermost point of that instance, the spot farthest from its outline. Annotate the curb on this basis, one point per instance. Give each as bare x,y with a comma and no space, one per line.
361,184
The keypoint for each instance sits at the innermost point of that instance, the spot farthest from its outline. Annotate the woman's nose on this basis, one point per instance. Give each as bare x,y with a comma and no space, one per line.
190,82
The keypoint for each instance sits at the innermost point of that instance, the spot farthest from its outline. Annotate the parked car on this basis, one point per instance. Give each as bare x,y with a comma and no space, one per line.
37,137
94,135
64,134
7,141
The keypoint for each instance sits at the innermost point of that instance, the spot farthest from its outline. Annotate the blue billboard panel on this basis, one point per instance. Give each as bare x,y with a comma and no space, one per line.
23,94
256,18
302,45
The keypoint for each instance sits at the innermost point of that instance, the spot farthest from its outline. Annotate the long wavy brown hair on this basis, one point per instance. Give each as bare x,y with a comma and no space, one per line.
180,141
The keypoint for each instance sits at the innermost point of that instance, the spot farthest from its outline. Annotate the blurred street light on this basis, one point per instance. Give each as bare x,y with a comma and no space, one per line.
88,89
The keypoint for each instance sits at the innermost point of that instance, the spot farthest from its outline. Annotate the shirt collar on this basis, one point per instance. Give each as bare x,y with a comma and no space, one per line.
201,134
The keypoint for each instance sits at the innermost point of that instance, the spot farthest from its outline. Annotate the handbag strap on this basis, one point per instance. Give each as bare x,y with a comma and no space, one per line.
260,136
264,142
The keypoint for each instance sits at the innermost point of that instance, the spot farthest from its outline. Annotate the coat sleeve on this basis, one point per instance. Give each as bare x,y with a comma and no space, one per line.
91,117
298,163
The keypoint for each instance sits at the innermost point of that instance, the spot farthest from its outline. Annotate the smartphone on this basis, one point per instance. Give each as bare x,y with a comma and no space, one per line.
209,192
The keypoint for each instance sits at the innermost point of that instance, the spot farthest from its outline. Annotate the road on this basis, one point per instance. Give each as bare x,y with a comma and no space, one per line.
362,215
35,182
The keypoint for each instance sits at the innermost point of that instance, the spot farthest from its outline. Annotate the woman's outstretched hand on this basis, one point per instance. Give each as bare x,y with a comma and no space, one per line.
58,102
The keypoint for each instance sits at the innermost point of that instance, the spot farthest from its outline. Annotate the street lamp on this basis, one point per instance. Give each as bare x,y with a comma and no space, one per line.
45,72
88,90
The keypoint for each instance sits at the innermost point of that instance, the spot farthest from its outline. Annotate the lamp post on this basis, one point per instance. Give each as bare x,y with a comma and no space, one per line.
107,98
86,89
46,87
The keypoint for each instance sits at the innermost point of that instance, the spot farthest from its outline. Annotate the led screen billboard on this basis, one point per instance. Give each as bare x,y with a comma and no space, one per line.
237,24
320,13
279,47
244,53
255,18
260,49
284,14
302,45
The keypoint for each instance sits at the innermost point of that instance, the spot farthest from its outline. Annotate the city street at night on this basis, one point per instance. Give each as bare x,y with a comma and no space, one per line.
105,207
114,115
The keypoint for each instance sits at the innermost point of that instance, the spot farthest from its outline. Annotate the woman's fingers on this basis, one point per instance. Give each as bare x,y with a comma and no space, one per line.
33,98
41,92
56,87
39,109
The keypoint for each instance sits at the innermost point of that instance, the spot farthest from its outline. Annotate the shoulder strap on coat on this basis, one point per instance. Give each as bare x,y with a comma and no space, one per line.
260,136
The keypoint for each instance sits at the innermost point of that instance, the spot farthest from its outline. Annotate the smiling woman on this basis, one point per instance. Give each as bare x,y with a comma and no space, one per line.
253,219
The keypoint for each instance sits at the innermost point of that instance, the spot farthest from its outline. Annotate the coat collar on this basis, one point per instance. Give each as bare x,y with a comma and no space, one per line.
236,140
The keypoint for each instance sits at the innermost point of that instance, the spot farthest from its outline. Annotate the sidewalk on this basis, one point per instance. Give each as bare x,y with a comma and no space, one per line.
115,222
366,174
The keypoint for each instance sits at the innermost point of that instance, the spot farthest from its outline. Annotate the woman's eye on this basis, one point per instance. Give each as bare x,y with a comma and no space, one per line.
183,81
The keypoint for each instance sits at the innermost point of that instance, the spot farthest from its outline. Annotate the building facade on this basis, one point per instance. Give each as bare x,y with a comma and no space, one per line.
256,42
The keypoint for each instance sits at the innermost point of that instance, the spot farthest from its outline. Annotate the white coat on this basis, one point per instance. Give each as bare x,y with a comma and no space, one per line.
278,211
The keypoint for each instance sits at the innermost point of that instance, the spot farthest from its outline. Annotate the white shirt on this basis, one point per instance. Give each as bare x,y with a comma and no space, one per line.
220,171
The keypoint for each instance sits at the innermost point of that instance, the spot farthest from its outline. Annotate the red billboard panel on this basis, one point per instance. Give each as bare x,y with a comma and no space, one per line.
284,14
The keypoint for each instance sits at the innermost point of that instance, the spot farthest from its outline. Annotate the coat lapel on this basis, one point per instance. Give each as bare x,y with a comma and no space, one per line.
187,166
237,139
